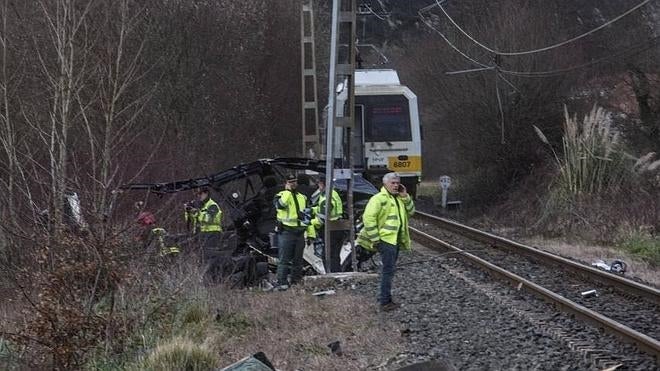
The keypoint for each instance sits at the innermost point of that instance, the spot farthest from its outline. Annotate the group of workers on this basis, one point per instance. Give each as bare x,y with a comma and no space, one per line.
299,218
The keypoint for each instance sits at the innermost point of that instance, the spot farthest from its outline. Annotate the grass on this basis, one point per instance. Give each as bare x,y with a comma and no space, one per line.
7,355
592,159
234,324
180,354
201,324
589,252
642,244
429,189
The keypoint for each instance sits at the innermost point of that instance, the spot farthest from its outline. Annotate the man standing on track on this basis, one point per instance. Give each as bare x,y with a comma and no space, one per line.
386,229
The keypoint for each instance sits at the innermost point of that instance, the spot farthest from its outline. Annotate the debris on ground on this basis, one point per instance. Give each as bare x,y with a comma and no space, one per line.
589,293
324,293
255,362
335,348
617,266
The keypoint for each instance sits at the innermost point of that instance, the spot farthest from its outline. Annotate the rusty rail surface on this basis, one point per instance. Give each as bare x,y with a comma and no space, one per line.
605,278
644,342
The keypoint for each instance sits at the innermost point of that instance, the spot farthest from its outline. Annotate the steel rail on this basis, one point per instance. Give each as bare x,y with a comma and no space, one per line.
644,342
605,278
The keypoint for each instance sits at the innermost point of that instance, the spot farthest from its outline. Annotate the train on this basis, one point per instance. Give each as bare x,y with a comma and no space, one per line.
388,132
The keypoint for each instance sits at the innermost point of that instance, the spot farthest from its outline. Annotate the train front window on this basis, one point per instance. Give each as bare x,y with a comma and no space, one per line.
386,118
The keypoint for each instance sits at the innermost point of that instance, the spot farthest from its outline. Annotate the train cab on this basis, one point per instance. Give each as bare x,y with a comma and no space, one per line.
387,133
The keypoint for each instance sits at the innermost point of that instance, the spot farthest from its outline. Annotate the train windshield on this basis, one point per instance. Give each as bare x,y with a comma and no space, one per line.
386,118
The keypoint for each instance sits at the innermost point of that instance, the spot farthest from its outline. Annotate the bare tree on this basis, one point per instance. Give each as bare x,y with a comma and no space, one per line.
8,131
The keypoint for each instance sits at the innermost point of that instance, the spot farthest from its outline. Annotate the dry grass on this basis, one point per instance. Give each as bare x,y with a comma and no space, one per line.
592,159
293,329
180,354
173,317
588,253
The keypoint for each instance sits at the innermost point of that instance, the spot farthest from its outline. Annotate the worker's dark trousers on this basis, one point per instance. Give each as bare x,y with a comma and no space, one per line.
389,254
290,245
210,246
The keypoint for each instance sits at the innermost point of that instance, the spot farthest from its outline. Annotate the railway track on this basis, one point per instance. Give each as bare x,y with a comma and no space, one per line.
624,308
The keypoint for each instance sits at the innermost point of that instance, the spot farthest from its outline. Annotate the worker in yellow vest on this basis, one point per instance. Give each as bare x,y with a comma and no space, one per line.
205,217
293,220
386,229
318,221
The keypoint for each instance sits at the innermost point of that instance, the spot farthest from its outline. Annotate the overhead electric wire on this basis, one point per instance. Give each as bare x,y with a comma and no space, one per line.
450,43
374,13
499,106
549,73
498,52
561,71
507,81
470,70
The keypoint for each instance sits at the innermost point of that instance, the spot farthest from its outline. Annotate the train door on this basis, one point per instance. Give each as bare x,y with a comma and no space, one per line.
357,147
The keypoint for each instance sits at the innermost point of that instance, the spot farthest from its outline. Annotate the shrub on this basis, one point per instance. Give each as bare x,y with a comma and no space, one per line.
180,354
642,243
193,312
593,160
593,192
72,306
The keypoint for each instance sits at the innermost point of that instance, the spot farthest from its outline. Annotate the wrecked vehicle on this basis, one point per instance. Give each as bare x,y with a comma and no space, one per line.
245,194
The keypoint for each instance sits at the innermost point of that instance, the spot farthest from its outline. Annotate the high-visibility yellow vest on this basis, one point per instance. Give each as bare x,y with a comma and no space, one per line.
386,219
160,237
292,217
336,211
203,220
208,222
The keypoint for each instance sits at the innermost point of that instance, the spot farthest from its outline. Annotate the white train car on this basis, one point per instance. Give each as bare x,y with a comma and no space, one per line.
388,132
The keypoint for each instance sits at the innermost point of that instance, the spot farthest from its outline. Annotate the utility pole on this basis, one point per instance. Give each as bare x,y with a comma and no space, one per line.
310,107
341,117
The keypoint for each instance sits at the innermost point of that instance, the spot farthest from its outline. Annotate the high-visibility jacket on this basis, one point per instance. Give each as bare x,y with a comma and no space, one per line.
293,211
164,249
207,219
318,208
386,219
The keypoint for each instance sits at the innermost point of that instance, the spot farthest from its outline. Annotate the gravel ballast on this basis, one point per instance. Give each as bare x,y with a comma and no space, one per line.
456,313
635,312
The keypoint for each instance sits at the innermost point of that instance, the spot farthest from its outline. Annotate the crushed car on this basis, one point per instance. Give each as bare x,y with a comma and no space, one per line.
245,193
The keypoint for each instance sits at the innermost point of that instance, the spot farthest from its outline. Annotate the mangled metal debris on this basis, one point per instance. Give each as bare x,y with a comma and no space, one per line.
246,193
617,266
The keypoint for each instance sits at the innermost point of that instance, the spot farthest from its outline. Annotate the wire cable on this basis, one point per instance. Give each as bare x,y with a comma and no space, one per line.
499,106
426,22
498,52
374,13
561,71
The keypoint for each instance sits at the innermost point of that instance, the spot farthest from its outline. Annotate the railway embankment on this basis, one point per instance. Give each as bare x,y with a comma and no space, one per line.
454,312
